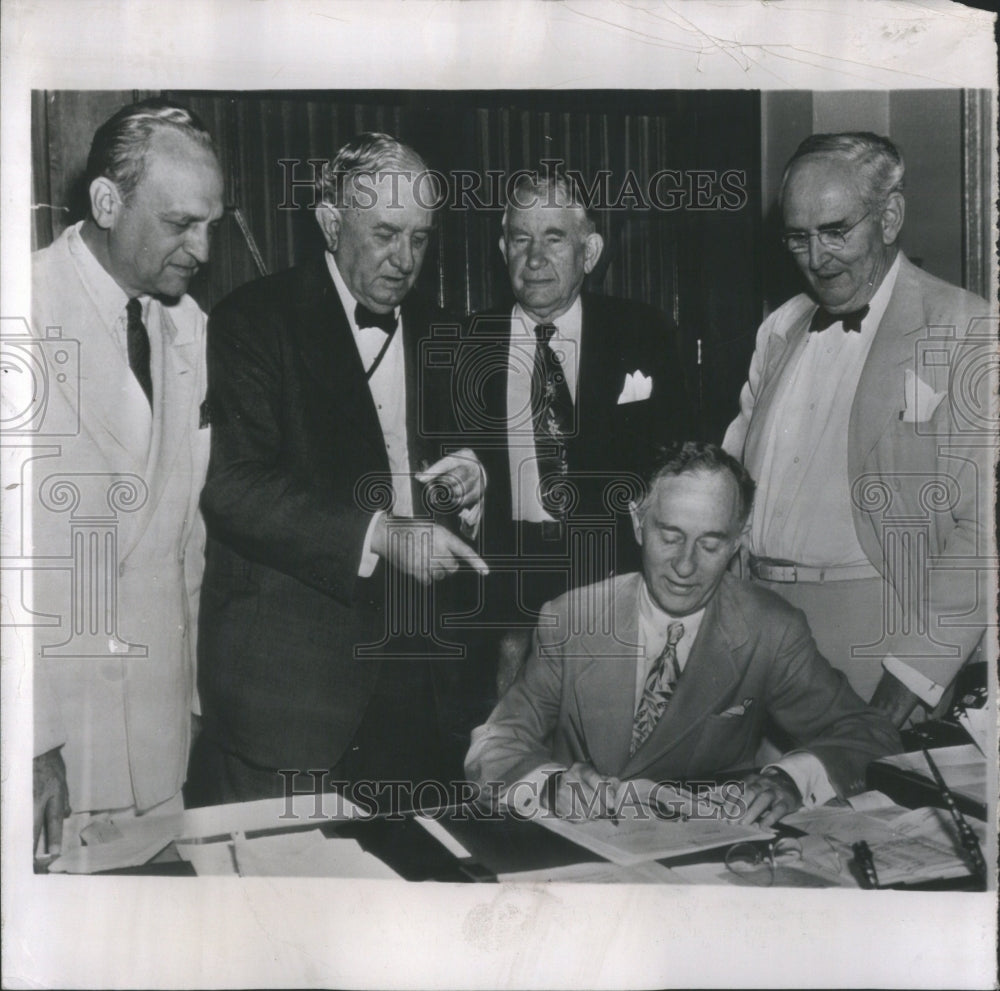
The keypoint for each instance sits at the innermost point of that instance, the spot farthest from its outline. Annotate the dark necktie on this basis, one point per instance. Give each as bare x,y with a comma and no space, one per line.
386,322
659,688
552,419
364,317
138,348
824,318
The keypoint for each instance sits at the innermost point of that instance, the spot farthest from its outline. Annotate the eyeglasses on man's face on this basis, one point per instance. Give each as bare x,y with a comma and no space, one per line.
831,238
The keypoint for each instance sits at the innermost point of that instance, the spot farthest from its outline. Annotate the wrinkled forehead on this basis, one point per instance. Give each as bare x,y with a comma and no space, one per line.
395,188
178,170
821,179
540,210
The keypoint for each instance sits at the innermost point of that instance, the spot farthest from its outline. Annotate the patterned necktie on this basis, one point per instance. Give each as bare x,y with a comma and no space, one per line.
138,348
824,318
658,689
552,419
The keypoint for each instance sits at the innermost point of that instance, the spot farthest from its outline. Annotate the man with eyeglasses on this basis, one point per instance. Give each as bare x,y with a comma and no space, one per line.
873,481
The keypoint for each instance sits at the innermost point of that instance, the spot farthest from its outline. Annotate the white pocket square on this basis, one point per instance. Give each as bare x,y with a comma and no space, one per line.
637,387
738,710
920,399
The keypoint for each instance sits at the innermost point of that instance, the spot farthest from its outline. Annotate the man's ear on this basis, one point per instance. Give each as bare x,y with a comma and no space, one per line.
328,218
633,511
892,217
593,246
503,247
105,202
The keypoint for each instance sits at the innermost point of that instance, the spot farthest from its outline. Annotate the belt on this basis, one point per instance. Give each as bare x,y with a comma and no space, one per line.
768,569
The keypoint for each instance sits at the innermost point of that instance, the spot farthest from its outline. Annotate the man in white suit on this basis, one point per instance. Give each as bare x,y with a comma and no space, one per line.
118,500
863,424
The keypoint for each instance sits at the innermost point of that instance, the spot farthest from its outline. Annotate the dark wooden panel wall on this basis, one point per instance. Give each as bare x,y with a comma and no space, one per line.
697,259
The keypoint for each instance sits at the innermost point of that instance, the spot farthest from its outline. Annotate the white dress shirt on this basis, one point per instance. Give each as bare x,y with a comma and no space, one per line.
802,512
520,434
388,388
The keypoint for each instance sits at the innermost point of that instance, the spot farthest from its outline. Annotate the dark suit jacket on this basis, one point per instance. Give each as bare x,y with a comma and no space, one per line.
575,698
611,441
298,466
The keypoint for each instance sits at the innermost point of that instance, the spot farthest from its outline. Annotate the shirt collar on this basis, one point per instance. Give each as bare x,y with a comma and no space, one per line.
878,304
347,300
108,297
653,618
569,326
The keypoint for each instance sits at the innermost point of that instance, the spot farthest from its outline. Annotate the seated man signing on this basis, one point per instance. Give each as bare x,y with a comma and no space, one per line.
671,674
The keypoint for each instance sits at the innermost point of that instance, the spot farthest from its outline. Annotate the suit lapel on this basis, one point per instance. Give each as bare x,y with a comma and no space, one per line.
332,357
713,668
605,686
177,391
879,395
596,392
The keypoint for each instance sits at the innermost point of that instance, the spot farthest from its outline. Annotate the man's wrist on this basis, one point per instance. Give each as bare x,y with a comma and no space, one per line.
549,790
779,774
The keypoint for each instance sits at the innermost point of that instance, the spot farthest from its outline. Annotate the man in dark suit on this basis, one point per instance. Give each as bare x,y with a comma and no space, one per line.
317,647
671,674
575,385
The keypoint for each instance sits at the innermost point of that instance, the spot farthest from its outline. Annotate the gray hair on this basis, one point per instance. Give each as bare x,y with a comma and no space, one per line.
877,160
686,457
120,146
551,188
369,154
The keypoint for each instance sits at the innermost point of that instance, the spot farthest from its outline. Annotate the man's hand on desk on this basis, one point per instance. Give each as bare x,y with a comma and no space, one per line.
769,796
425,550
51,799
582,793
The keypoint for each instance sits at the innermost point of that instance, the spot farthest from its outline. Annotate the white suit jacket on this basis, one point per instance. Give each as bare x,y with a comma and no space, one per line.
116,541
920,456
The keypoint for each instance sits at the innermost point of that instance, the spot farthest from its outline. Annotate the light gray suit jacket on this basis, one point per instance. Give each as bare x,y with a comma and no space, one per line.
920,472
575,698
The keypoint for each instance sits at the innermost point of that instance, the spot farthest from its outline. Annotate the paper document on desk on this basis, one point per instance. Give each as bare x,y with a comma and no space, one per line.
306,855
640,835
598,873
131,841
908,846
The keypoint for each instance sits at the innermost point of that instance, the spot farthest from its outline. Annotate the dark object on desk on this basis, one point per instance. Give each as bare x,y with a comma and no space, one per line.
968,839
507,844
969,692
914,791
866,864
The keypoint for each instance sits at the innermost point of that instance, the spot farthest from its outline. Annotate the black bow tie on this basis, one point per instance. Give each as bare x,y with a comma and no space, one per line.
364,317
851,321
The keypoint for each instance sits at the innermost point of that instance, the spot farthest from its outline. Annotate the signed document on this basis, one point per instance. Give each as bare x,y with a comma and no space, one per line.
656,831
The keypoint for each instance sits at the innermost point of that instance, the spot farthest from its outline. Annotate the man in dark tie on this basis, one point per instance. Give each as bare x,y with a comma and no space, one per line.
114,499
670,674
578,384
318,647
868,426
